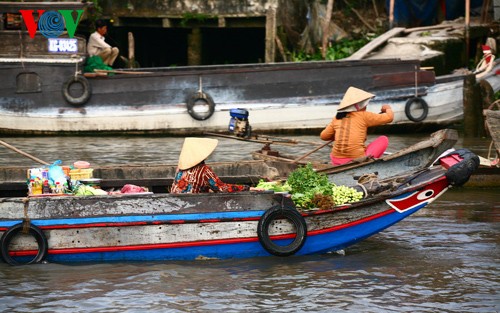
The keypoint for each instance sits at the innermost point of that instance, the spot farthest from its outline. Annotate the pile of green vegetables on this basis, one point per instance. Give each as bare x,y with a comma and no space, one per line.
310,189
84,190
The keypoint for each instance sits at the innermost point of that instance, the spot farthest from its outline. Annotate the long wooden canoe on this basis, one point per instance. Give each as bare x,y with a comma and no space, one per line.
415,157
158,227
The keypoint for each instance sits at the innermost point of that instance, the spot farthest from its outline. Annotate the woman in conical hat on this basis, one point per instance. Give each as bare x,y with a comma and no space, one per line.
349,128
193,175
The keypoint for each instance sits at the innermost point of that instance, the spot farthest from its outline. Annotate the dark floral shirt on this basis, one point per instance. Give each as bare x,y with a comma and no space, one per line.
201,178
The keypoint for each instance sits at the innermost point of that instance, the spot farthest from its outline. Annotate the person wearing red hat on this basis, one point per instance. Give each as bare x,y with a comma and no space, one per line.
486,64
349,128
194,176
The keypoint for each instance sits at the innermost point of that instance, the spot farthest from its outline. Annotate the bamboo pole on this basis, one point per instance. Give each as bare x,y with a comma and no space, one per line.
3,143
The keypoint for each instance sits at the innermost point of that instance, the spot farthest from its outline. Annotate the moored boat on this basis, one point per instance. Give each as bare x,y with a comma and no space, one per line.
47,93
488,173
154,227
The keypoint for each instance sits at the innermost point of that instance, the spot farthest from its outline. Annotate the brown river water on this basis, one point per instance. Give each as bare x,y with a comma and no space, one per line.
444,258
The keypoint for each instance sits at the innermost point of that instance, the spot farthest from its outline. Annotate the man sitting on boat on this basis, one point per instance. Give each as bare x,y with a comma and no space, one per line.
193,175
98,46
349,128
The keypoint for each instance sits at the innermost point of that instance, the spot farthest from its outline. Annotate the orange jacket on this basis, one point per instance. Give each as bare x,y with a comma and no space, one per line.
349,133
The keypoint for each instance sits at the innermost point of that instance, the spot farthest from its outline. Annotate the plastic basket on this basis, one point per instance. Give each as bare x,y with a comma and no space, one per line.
81,173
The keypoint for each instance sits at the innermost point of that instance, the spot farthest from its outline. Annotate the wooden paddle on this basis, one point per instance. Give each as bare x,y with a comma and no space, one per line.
3,143
312,151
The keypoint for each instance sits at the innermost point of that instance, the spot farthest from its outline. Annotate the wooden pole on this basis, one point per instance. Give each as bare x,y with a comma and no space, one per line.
473,108
270,52
484,11
375,7
391,14
3,143
131,50
467,31
312,151
326,24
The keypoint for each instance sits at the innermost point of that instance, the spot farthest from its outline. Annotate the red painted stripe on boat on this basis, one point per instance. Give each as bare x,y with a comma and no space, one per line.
152,246
23,253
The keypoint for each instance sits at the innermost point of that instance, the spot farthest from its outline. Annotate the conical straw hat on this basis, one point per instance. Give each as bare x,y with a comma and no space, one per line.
352,96
194,150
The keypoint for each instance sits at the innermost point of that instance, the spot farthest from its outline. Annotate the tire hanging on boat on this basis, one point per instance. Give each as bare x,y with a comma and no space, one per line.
85,85
291,215
458,174
425,109
200,98
34,231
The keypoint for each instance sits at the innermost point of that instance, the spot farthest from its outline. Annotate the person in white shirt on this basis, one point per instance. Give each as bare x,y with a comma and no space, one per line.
97,45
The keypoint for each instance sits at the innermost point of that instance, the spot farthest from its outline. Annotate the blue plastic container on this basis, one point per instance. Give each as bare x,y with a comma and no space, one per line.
242,114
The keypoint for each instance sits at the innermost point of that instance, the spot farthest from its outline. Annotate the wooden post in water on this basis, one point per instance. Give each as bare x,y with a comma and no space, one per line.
473,108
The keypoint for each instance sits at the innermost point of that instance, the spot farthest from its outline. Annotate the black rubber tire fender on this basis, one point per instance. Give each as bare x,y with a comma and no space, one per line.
192,101
459,174
425,108
292,215
84,97
34,231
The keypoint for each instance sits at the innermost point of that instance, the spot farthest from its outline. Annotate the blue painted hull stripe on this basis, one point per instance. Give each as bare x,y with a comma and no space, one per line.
139,218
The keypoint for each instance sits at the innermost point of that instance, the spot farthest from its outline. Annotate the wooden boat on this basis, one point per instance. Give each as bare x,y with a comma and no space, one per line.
157,227
492,122
46,93
415,157
488,173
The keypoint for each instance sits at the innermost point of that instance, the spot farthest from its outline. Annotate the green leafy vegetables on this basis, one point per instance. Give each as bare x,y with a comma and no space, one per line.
276,186
310,189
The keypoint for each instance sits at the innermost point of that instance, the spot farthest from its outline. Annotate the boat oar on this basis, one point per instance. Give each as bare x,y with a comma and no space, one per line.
312,151
3,143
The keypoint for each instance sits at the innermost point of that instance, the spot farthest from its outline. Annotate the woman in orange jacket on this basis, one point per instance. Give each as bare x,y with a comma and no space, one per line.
349,128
